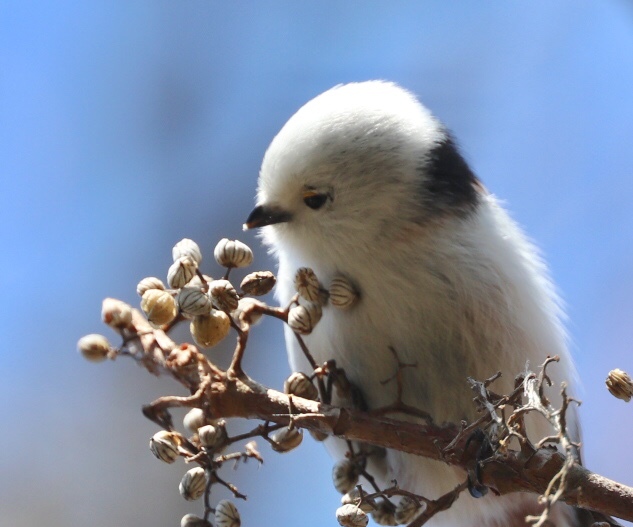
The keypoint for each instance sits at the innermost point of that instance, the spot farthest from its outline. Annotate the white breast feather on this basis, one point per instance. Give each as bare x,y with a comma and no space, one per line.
483,295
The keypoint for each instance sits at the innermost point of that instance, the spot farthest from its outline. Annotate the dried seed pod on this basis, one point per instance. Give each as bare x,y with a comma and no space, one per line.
224,295
116,314
258,283
351,516
164,445
286,439
227,515
208,330
196,418
193,484
159,306
181,272
94,347
187,247
233,253
384,513
342,293
193,301
620,385
407,509
299,384
151,282
354,497
302,319
213,437
308,286
191,520
344,475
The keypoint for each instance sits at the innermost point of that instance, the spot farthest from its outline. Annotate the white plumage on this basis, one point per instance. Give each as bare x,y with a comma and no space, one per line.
365,183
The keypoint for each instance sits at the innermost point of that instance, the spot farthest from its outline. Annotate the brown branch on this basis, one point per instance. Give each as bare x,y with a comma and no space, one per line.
505,472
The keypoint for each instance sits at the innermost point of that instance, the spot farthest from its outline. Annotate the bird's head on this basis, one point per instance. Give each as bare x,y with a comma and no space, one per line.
358,163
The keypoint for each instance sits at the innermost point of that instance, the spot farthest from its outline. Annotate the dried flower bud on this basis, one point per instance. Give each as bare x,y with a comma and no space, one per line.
302,319
308,286
351,516
384,514
159,306
193,484
213,437
407,509
193,301
258,283
353,497
208,330
164,445
620,384
344,475
94,347
187,247
191,520
116,314
299,384
286,439
151,282
342,293
181,272
226,514
196,418
224,295
233,253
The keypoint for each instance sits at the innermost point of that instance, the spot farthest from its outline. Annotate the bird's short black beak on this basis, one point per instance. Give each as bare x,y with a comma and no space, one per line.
263,215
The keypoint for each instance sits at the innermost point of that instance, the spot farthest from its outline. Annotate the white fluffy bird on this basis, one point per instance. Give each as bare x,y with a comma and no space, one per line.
365,183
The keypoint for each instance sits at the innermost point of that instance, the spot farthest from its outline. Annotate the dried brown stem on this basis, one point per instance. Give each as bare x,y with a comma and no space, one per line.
243,328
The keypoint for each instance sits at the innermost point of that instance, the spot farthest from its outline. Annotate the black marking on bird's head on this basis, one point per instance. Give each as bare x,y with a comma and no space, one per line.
449,183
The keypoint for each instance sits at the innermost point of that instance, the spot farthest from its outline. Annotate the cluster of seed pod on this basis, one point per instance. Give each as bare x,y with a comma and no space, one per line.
225,515
209,436
289,438
208,303
356,505
355,509
303,317
97,348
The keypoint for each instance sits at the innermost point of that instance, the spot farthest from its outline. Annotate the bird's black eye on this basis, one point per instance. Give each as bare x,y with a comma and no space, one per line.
314,200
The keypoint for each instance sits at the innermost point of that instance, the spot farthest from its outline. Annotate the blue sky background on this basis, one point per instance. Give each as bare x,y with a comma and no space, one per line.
125,126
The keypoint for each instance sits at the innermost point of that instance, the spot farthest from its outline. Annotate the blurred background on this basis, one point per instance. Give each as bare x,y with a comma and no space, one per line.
128,125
